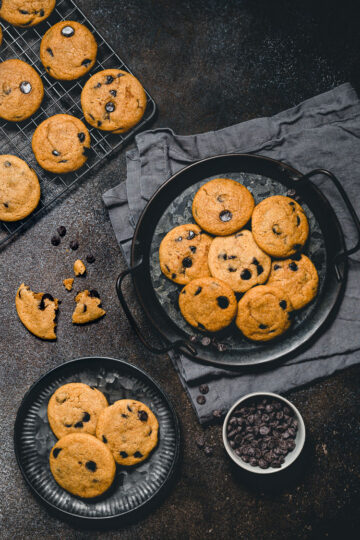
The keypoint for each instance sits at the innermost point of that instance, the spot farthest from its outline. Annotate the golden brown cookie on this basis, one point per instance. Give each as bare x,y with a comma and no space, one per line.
68,283
37,312
75,408
208,304
88,307
82,465
19,188
21,90
26,13
222,206
61,143
238,261
79,268
298,277
68,50
183,253
129,429
263,313
113,100
279,226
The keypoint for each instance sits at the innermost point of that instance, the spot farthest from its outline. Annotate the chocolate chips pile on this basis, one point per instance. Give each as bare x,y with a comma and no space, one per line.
262,432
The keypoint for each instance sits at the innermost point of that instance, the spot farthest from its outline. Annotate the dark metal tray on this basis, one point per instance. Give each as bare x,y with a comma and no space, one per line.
135,490
171,206
59,97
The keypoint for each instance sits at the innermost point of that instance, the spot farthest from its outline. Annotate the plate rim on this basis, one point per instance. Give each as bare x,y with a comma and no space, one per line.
71,515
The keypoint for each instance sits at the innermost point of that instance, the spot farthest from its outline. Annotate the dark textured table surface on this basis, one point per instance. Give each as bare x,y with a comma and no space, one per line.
208,64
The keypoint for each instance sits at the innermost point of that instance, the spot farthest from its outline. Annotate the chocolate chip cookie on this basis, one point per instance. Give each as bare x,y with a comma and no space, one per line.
129,429
61,143
82,465
264,313
183,253
208,304
21,90
279,226
37,312
238,261
88,307
75,408
19,188
113,100
222,206
299,278
68,50
26,12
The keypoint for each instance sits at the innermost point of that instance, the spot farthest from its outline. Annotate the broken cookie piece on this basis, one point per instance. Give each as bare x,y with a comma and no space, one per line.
79,268
37,312
68,283
88,307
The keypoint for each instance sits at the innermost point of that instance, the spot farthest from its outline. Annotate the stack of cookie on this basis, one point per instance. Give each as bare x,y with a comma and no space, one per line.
112,100
94,437
254,275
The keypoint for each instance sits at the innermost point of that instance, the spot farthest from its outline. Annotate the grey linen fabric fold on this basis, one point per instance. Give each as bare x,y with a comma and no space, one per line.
323,131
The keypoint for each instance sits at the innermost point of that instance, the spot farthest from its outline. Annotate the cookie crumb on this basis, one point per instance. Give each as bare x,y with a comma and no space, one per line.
68,283
79,268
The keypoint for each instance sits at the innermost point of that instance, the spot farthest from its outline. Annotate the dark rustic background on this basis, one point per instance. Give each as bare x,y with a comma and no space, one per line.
208,64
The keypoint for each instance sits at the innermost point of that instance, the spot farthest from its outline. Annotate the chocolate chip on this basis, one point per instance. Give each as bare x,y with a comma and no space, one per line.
109,79
222,256
113,93
259,269
205,341
79,425
245,274
61,230
41,12
223,302
91,466
187,262
90,259
297,221
217,413
291,193
86,417
25,87
220,199
81,136
138,455
56,153
276,266
94,294
68,31
56,452
263,326
55,240
6,204
293,266
23,12
198,291
44,297
178,239
68,425
50,51
225,215
203,388
231,269
276,230
191,235
123,454
238,234
7,164
124,415
99,123
283,304
104,439
193,249
110,107
143,416
86,62
201,400
74,245
129,408
173,276
98,85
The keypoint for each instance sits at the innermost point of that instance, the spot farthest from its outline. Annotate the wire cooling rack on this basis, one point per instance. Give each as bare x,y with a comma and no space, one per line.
60,97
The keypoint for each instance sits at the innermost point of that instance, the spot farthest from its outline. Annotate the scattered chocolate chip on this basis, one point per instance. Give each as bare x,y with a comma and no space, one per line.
217,413
293,266
90,259
259,269
203,388
81,136
191,235
138,455
56,452
201,400
79,425
123,454
291,193
143,416
91,466
25,87
74,245
187,262
221,347
104,439
68,31
193,249
86,417
205,341
50,51
223,302
208,451
86,62
198,291
61,230
55,240
245,274
225,215
110,107
109,79
200,441
283,304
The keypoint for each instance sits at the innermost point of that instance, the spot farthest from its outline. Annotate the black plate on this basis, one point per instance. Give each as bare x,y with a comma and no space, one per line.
134,489
171,206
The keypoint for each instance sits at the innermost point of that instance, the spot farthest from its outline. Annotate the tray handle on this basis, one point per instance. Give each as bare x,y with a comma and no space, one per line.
180,343
356,221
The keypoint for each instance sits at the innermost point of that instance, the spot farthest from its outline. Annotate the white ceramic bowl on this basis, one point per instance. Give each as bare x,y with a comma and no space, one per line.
289,458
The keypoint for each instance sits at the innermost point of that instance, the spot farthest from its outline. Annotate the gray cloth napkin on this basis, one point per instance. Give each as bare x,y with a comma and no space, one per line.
323,131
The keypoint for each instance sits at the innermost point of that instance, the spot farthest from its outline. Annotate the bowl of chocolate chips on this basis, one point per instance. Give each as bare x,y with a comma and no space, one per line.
263,433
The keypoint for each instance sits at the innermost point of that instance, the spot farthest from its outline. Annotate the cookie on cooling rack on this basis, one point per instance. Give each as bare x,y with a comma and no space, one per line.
26,12
21,90
37,312
183,253
68,50
238,261
264,313
129,429
208,304
19,188
280,226
298,276
113,100
222,206
61,143
82,465
75,408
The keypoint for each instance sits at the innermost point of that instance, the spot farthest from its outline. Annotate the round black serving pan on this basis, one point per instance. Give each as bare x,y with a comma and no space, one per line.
136,490
171,206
